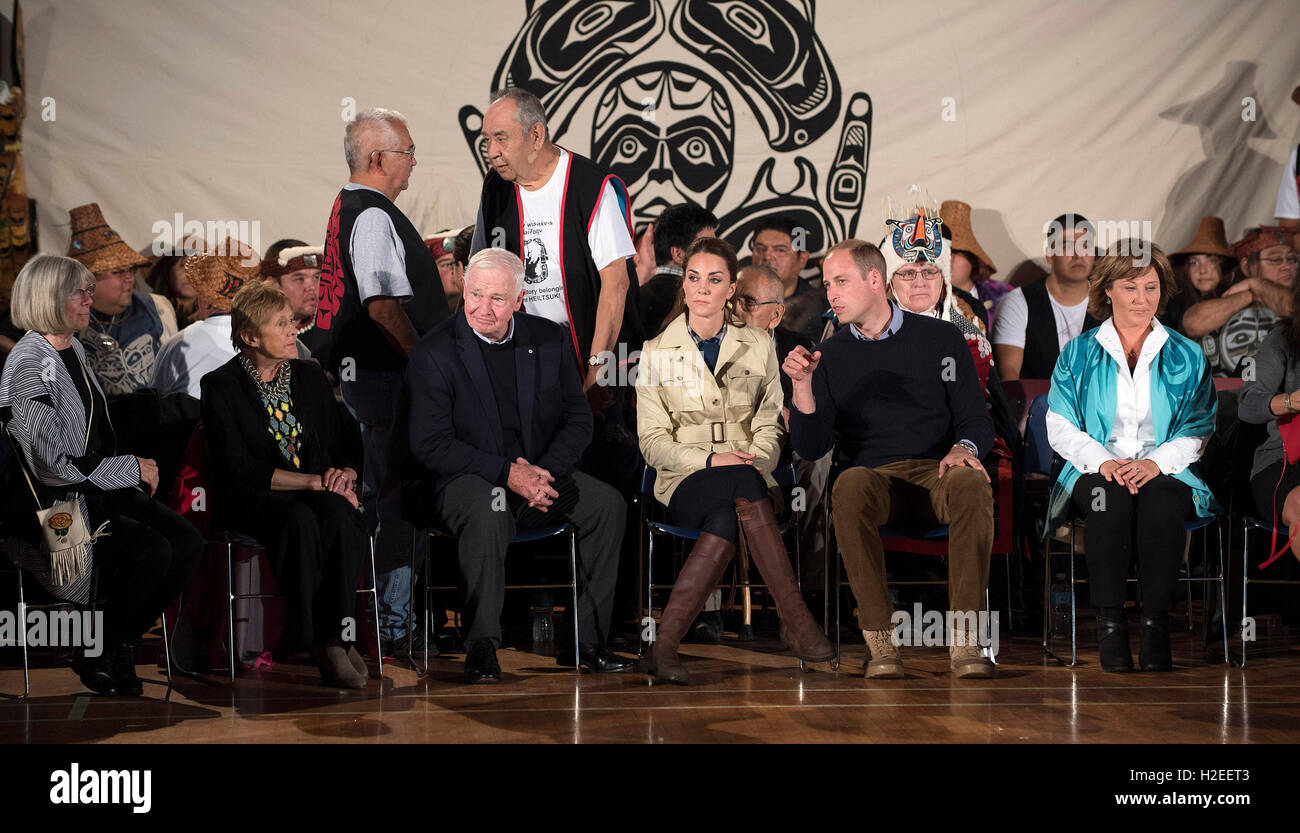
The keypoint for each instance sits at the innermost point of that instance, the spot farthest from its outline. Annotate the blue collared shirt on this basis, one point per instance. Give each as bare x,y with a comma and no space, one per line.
895,322
709,347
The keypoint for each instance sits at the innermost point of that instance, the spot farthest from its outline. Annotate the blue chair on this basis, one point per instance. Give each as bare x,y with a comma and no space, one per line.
523,536
651,527
1039,459
1250,523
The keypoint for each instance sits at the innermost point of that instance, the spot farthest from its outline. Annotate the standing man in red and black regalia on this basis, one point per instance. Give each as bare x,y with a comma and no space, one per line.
379,290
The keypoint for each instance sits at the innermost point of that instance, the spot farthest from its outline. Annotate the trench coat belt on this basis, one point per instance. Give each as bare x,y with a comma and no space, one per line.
712,432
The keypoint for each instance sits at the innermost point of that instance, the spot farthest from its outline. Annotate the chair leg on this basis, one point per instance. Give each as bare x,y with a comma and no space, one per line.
1074,626
22,636
573,579
230,603
1219,526
374,600
1245,584
650,583
167,649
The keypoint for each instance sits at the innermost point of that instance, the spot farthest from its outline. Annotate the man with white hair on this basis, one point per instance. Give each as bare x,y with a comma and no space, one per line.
499,420
379,290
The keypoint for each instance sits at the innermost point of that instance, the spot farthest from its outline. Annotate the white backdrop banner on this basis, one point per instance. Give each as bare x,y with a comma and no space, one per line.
168,112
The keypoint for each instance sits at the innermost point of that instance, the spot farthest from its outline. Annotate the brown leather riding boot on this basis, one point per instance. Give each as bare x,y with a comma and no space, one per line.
798,627
704,566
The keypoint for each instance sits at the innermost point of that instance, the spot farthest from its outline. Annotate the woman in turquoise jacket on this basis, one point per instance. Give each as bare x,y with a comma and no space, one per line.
1130,410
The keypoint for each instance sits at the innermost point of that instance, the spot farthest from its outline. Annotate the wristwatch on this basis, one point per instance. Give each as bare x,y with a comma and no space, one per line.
1287,403
968,445
597,361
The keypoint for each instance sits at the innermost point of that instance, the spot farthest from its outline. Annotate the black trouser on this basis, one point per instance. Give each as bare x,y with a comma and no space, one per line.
316,543
706,499
145,561
485,521
1270,496
1113,519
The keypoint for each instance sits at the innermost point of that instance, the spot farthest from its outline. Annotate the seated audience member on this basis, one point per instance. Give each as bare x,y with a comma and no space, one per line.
496,404
56,414
676,229
1200,271
284,471
1035,322
972,269
775,245
760,303
127,327
167,278
1273,397
708,415
1131,408
909,438
918,269
294,267
442,246
206,344
1232,326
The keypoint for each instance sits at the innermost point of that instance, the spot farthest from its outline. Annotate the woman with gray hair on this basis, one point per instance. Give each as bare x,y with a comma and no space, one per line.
55,414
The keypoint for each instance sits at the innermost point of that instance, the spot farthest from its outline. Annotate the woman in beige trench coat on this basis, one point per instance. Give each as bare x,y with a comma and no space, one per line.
708,408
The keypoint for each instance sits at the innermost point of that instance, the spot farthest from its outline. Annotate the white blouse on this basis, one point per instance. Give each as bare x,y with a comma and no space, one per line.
1133,435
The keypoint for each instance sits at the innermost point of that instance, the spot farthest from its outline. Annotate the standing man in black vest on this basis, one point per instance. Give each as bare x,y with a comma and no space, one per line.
1035,321
379,291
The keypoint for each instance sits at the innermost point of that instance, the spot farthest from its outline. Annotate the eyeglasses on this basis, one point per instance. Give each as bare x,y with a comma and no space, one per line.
87,293
748,303
1293,260
408,152
909,275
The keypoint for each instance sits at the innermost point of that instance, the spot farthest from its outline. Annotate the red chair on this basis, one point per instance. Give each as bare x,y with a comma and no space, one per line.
1021,393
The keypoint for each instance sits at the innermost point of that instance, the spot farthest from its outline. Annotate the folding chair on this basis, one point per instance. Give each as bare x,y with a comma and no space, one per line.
523,536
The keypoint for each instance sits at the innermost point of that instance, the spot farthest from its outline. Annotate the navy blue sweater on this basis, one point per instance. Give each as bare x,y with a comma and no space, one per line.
910,396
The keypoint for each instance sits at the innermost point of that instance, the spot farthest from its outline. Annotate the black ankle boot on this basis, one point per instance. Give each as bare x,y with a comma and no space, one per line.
1154,655
123,664
96,673
1112,639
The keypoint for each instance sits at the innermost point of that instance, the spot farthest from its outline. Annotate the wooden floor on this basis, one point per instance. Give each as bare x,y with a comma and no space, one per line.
745,693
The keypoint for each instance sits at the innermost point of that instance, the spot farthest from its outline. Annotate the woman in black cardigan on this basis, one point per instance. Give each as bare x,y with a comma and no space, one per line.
284,471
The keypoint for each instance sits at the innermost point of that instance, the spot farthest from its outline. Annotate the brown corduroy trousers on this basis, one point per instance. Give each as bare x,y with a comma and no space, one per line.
864,499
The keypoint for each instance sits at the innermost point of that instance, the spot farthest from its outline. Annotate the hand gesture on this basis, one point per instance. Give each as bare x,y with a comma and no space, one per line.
799,365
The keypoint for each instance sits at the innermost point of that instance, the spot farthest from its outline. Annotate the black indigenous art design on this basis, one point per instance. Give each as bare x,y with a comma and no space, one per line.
654,90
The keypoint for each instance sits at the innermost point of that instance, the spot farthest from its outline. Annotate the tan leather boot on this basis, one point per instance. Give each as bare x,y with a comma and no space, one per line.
964,655
884,661
704,566
798,627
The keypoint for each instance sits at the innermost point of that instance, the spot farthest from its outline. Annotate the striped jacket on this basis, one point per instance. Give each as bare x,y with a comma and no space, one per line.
43,413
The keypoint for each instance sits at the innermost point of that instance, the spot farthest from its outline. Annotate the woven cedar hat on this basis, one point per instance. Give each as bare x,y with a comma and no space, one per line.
1210,239
217,277
96,246
1263,237
956,216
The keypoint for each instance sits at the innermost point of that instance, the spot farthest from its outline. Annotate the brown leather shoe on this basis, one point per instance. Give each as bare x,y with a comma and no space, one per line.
884,660
798,627
704,566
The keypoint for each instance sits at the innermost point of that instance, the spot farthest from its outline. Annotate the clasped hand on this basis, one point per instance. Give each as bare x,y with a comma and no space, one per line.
532,483
1131,474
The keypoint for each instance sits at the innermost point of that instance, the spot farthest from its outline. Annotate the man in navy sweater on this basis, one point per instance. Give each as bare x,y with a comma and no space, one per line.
898,396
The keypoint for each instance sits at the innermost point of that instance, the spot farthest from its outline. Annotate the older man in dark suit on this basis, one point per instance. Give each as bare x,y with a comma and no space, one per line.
499,419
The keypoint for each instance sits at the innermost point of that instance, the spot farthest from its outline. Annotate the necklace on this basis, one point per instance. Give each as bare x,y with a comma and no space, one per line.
277,388
113,320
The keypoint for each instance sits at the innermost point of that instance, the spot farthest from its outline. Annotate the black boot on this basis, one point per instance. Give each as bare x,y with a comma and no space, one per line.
1154,655
96,673
1112,639
123,664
